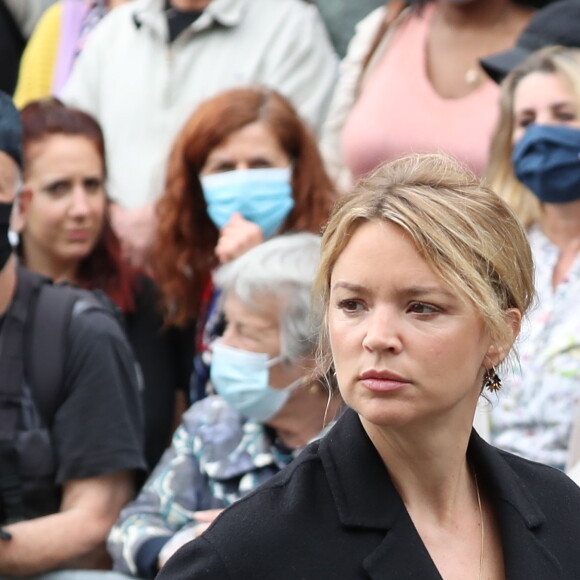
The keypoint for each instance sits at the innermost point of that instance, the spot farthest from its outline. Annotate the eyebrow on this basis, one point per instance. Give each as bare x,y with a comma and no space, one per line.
415,291
558,105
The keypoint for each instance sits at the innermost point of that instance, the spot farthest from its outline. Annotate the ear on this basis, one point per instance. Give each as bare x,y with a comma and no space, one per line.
21,210
497,352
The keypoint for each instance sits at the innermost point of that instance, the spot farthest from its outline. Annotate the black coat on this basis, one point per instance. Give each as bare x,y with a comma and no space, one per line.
335,514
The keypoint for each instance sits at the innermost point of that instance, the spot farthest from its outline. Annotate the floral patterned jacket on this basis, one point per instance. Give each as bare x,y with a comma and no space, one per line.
216,457
535,411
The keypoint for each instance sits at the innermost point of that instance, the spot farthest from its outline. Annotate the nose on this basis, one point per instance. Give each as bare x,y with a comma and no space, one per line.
79,206
546,118
383,331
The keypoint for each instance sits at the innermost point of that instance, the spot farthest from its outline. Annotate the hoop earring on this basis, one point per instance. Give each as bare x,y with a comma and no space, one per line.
491,380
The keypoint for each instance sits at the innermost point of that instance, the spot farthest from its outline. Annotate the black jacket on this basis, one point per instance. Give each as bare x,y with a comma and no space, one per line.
335,514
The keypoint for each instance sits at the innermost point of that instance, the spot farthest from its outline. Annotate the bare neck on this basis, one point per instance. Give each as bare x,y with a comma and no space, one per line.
305,415
190,5
7,284
428,463
479,13
53,269
561,224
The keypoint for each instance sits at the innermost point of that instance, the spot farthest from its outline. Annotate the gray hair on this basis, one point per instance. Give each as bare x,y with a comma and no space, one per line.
284,268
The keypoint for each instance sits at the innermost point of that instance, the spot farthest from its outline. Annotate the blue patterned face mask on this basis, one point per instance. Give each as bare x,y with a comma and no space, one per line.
241,378
262,196
547,161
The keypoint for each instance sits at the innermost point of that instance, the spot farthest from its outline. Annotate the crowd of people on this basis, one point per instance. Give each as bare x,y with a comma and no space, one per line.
283,255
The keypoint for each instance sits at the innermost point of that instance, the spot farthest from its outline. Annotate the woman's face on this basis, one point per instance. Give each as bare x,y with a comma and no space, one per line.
258,331
252,147
405,346
63,200
543,99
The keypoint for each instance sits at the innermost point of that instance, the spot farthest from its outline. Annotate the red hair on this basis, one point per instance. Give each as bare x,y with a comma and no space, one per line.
183,255
104,266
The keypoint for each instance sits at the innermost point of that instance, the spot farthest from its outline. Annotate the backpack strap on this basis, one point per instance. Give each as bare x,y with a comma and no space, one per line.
48,344
47,348
12,338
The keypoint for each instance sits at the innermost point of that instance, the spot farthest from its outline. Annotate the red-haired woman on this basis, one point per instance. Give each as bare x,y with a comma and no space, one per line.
65,234
243,169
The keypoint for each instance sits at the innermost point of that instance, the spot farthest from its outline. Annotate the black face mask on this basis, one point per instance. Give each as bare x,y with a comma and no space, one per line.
5,247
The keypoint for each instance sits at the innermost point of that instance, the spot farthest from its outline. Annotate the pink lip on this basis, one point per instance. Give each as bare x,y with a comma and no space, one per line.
382,381
78,235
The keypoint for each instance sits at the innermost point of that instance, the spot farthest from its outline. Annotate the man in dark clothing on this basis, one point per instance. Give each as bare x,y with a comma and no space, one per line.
59,503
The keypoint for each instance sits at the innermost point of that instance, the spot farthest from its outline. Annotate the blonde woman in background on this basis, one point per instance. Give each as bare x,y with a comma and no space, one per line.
535,166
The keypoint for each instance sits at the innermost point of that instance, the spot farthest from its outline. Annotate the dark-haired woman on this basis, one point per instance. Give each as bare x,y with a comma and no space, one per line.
66,235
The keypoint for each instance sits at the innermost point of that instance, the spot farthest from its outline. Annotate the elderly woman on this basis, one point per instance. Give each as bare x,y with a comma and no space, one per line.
535,167
420,309
269,405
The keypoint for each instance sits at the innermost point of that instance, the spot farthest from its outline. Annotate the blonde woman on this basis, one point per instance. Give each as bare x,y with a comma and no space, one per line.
535,167
420,309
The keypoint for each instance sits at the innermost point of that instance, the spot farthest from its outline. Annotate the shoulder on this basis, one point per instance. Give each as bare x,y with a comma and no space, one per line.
214,423
147,299
120,20
548,485
299,498
290,496
92,321
50,18
370,23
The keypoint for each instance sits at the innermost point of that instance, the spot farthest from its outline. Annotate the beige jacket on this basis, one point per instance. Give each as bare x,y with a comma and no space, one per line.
142,89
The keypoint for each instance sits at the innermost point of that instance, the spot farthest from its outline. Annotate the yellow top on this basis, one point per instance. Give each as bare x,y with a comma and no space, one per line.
39,59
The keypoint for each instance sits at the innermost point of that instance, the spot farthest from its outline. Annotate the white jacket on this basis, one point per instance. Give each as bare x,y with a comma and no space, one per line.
142,89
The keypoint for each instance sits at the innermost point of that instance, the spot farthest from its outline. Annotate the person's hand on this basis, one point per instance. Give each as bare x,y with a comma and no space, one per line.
237,237
205,518
136,229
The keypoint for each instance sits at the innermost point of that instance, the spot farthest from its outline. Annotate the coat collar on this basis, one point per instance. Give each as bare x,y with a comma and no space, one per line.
228,13
347,453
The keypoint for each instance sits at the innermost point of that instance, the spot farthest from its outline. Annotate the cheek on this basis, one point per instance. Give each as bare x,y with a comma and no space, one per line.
345,343
336,334
45,216
99,210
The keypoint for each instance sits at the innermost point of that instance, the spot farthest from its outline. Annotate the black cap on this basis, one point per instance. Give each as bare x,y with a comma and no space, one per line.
556,24
10,129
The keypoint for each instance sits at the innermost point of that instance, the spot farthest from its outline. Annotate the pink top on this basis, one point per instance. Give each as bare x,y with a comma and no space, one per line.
399,112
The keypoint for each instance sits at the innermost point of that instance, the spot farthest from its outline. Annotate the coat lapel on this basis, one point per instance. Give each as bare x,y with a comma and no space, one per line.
521,519
365,497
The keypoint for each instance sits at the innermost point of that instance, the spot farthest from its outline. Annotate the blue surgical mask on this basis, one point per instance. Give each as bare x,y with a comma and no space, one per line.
241,378
547,161
262,196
